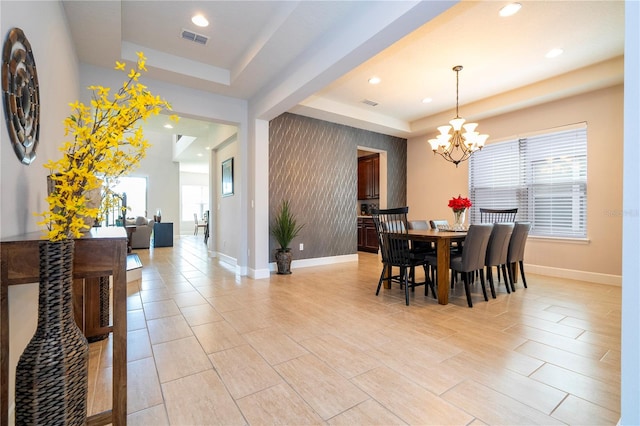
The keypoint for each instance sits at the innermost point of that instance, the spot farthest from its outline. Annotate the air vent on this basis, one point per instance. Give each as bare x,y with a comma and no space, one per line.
369,102
196,38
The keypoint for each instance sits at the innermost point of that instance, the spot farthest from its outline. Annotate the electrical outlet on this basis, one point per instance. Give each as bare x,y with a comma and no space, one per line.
301,246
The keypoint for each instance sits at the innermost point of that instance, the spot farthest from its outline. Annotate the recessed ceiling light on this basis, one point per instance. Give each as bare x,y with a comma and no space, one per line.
554,53
208,148
199,155
427,100
374,80
510,9
200,20
168,126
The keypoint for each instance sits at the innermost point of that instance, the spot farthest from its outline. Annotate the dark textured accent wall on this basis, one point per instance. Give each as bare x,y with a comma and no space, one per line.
314,164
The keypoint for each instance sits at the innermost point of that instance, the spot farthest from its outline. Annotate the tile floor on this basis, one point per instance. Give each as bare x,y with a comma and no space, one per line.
318,347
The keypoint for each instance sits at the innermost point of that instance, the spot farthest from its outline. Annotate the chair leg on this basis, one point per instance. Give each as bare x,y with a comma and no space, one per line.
490,279
384,269
524,280
413,278
466,278
406,286
506,281
510,267
484,289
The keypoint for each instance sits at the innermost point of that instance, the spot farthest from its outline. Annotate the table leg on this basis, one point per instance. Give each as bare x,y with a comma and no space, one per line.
387,274
443,270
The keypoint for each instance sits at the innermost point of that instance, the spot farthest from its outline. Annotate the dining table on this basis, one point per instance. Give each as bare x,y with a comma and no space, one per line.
442,240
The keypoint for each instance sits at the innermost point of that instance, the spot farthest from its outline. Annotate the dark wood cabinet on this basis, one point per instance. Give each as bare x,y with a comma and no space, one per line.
367,237
369,177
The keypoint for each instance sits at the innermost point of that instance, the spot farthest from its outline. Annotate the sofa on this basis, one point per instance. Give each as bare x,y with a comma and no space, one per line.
141,238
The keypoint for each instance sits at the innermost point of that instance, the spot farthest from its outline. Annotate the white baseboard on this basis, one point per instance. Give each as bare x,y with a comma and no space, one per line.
318,261
593,277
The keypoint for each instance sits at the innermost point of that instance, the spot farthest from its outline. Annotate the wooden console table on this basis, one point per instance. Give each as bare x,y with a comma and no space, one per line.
102,252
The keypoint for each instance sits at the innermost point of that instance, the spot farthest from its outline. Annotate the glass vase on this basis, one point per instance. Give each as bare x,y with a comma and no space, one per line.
458,218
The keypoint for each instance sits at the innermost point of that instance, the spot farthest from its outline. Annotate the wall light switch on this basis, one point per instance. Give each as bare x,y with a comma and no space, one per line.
301,246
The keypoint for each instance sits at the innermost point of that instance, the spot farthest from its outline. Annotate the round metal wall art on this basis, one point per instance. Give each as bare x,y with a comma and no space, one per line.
20,95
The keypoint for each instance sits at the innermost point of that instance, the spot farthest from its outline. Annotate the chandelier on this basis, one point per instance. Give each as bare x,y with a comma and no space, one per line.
457,146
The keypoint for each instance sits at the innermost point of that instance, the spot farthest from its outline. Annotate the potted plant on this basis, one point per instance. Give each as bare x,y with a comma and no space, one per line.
285,228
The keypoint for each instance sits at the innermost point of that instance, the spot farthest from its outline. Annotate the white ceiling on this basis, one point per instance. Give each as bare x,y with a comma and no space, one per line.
253,43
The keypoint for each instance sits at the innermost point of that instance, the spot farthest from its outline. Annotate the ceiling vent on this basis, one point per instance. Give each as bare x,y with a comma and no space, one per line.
196,38
369,102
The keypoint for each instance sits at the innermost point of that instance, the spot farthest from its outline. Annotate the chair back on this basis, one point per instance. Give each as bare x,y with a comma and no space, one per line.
475,247
435,223
195,218
418,224
499,244
518,241
497,215
389,223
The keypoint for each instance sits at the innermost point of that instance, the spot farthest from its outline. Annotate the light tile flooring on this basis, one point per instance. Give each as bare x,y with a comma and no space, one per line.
318,347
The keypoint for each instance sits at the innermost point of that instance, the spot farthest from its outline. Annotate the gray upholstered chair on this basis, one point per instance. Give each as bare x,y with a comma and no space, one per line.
473,257
497,253
515,253
141,237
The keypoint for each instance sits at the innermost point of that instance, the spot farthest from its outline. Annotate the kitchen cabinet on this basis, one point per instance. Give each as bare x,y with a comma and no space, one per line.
367,237
369,177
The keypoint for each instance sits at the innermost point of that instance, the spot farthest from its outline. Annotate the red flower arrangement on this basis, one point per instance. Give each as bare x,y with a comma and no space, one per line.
459,204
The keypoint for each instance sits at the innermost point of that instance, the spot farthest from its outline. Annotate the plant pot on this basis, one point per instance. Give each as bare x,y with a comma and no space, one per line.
283,260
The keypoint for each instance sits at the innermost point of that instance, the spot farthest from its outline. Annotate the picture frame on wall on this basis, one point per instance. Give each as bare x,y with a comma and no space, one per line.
227,177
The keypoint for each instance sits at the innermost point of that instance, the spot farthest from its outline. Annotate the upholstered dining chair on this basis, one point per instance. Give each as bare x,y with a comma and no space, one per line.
472,258
198,225
497,253
391,228
497,215
515,254
421,246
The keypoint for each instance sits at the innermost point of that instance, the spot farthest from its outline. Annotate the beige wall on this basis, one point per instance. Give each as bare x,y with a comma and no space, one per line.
432,182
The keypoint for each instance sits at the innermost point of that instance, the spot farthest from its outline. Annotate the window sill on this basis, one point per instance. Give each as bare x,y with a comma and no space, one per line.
569,240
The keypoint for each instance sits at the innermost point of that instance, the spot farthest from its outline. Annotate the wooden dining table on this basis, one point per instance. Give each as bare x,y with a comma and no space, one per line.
442,240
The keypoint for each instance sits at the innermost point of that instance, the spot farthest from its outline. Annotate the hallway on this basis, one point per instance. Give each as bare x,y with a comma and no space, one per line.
318,347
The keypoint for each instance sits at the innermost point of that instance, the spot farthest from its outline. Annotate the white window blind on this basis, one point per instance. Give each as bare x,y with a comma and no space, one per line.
544,176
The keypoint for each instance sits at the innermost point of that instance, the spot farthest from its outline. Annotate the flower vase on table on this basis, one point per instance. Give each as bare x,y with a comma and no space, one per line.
459,206
458,218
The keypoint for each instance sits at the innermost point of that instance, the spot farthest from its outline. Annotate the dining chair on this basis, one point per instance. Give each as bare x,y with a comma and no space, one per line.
497,249
497,215
198,225
423,247
515,254
472,258
391,227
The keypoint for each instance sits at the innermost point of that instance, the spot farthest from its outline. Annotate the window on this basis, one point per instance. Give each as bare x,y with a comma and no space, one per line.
543,175
195,199
136,190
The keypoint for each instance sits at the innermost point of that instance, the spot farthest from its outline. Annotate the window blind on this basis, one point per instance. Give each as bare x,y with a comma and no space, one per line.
543,175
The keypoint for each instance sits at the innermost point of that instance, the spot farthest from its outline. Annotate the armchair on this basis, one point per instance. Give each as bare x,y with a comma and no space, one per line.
141,238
